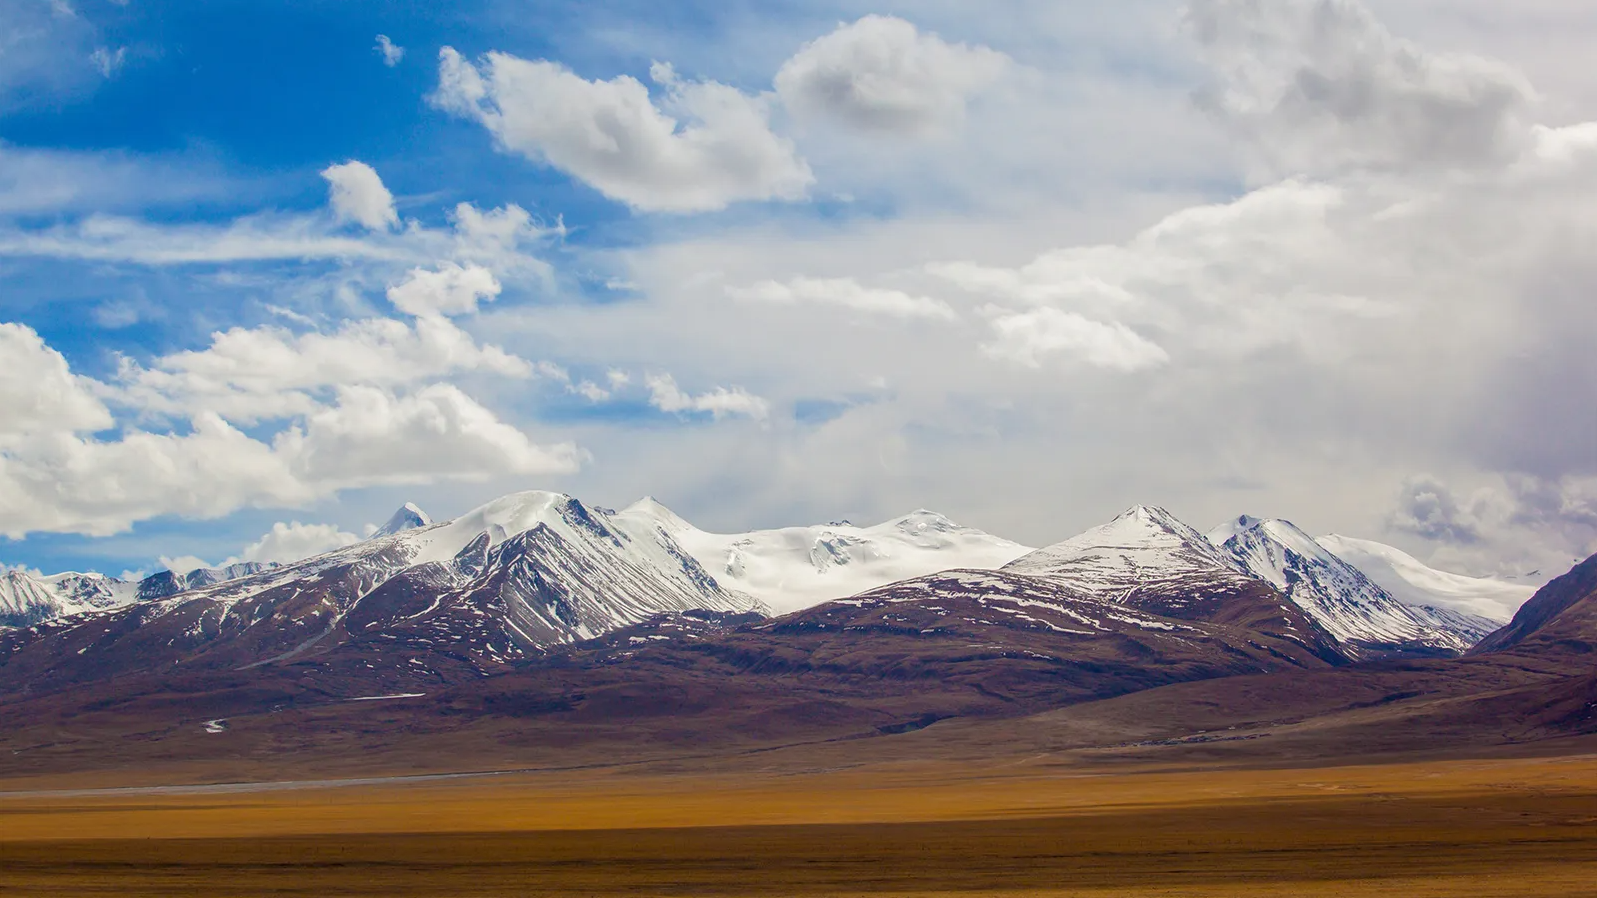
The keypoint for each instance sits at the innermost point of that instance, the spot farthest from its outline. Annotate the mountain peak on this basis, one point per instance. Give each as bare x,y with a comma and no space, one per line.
1150,519
408,517
1151,513
1144,544
653,509
922,520
1340,598
1239,524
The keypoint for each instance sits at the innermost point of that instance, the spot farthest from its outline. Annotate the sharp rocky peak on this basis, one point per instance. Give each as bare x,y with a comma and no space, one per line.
408,517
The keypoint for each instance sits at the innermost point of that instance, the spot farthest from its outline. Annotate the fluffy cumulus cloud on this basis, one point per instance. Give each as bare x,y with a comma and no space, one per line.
882,74
453,289
286,543
703,146
848,294
65,482
357,194
350,427
371,437
276,414
1028,338
665,395
1321,84
39,392
263,373
499,232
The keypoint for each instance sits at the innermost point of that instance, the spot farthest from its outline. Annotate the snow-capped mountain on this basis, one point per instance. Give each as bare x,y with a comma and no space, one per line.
1412,582
24,600
533,571
408,517
27,599
1147,559
169,583
518,576
1350,606
794,568
557,571
1144,549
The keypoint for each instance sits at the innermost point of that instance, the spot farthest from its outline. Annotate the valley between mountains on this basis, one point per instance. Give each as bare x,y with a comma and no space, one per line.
537,631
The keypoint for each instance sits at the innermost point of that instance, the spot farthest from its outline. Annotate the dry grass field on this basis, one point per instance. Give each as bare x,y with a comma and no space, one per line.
1476,828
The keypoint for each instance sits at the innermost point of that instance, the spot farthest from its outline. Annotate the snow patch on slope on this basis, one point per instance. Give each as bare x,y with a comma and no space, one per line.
794,568
1413,582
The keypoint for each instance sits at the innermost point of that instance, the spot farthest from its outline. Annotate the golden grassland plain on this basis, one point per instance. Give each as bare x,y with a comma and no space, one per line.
1518,827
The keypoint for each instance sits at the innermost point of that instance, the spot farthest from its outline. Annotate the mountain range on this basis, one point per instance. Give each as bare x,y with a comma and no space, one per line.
791,569
537,607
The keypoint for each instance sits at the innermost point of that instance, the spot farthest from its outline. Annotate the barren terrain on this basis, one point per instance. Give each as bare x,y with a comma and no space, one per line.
1012,826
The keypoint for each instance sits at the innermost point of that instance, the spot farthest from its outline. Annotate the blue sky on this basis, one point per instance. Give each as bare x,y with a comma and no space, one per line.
1027,265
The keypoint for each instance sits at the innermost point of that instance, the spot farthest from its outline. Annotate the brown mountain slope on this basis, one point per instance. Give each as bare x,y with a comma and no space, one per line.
1561,616
970,644
1534,683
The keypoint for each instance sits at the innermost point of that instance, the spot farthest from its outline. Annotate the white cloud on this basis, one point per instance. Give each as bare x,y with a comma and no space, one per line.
183,564
1217,275
498,232
107,61
62,182
612,136
499,237
62,483
108,238
1428,508
117,314
390,52
846,293
1026,338
665,395
1517,521
39,394
357,194
451,290
1320,85
349,428
882,74
1416,298
251,374
1302,347
374,438
591,391
291,542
